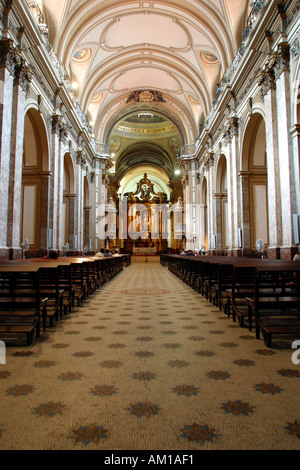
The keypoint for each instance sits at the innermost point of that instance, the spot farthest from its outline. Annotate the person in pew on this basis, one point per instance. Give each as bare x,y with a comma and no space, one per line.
295,275
107,254
297,257
100,254
52,255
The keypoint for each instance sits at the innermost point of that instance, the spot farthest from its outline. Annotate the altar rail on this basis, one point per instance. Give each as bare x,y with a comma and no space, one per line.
144,251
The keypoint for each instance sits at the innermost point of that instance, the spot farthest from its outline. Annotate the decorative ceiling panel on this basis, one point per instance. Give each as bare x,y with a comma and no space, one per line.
115,48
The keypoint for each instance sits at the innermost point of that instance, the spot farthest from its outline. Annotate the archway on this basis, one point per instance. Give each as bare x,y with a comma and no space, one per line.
254,185
35,184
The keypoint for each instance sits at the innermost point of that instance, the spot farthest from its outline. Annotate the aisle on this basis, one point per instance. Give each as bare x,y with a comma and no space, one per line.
148,364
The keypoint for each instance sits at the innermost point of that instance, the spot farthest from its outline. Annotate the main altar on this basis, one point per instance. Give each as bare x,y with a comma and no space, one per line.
144,221
147,233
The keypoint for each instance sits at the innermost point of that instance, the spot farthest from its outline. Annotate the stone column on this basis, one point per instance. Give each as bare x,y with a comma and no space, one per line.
79,209
268,93
20,89
93,212
87,226
188,185
209,172
285,149
63,134
111,220
45,210
100,204
202,232
218,223
295,133
245,205
197,211
7,67
72,204
54,183
232,137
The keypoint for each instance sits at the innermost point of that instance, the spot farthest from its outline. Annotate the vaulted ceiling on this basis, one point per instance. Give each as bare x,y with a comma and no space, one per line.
176,48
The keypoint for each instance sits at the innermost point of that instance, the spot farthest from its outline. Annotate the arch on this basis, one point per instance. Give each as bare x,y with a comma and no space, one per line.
251,122
36,130
254,184
144,153
35,183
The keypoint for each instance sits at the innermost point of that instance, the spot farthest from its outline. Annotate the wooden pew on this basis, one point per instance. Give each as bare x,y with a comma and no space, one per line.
243,285
21,312
275,313
56,280
80,278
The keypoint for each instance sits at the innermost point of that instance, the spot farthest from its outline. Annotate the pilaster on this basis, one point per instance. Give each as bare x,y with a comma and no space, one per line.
8,63
285,147
267,82
22,80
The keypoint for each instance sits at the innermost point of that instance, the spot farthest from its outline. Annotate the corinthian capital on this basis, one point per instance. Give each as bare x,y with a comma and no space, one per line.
9,58
231,129
266,78
23,76
282,63
59,127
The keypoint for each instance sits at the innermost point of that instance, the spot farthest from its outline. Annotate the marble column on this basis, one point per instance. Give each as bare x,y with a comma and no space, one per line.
71,205
285,149
100,203
295,134
230,193
54,183
63,134
274,199
235,207
246,216
21,86
210,178
7,67
218,223
45,211
87,226
203,228
189,203
197,211
79,209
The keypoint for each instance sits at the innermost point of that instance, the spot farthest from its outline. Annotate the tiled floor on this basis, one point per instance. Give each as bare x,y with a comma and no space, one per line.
148,364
